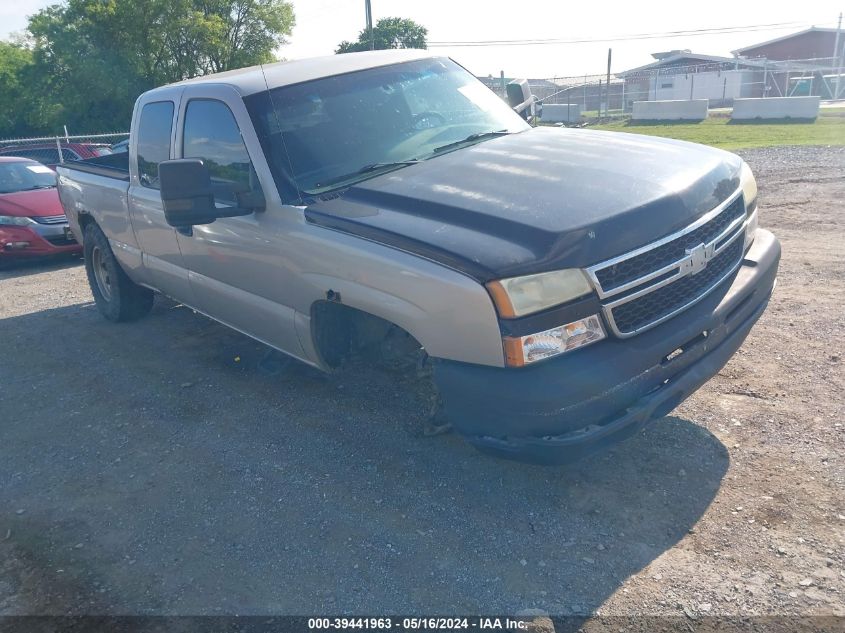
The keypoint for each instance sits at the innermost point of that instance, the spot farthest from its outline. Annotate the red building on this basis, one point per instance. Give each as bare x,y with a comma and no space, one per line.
802,63
814,43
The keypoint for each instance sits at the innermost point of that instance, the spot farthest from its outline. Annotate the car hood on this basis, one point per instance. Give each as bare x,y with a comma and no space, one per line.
540,200
36,203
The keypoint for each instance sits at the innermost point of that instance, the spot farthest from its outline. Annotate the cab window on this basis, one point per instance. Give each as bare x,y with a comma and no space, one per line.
153,140
212,134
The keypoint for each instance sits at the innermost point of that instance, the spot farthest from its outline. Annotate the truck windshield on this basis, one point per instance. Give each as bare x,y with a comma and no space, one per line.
329,133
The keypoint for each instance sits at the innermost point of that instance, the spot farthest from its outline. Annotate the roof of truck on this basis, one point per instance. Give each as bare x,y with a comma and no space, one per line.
251,80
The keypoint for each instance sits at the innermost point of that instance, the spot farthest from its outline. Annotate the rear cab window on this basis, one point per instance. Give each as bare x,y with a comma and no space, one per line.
154,130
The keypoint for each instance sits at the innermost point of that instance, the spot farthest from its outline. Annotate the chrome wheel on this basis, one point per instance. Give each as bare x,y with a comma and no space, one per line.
101,272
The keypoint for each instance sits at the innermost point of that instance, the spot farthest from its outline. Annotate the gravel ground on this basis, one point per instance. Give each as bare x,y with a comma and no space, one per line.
175,467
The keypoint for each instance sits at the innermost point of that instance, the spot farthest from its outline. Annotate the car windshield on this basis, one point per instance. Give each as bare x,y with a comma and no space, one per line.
328,133
25,176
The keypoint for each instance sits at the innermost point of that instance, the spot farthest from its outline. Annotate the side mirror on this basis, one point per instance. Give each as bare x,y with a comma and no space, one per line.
518,92
186,192
520,97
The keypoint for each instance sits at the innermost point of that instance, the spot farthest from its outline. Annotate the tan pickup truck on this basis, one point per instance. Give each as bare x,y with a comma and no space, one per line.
566,285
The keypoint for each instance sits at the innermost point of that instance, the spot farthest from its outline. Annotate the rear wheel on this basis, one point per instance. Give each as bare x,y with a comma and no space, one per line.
117,297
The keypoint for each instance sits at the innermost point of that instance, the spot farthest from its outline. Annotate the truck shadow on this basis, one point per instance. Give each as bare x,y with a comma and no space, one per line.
232,478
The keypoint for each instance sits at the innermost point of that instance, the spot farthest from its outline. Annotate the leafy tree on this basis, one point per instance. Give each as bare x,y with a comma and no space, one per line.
92,58
388,33
15,108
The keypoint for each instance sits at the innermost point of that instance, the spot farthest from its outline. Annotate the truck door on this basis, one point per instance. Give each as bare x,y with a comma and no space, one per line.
239,271
153,128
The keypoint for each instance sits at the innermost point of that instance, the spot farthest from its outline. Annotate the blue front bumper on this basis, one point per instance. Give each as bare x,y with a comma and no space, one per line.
565,408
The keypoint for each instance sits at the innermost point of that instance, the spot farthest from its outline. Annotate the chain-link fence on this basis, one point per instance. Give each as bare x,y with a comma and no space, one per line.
719,81
590,92
54,150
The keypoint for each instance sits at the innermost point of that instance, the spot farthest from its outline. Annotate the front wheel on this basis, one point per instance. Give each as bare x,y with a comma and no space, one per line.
117,297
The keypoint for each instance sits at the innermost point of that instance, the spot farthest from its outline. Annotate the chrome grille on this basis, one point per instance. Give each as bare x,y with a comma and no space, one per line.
636,314
647,286
50,219
631,269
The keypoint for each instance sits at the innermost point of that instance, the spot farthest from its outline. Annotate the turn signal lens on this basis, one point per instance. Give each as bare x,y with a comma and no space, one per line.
751,228
524,350
748,184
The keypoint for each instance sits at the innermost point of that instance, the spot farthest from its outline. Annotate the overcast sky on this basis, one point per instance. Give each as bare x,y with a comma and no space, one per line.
322,24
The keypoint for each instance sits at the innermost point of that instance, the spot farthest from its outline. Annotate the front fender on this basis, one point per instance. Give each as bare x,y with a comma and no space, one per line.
449,314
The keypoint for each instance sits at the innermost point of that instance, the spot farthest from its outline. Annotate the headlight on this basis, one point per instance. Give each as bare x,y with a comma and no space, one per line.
13,220
749,193
518,296
523,350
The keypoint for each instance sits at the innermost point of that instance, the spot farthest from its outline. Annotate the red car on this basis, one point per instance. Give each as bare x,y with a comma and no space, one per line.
32,221
48,153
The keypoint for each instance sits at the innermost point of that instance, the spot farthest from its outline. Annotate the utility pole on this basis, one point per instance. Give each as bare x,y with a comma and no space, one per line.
765,78
585,92
837,57
369,16
607,83
600,93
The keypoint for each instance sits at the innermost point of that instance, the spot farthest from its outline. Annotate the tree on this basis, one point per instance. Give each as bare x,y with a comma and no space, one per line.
92,58
388,33
15,61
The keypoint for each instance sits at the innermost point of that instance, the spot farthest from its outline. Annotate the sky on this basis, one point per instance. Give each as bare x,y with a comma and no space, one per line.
322,24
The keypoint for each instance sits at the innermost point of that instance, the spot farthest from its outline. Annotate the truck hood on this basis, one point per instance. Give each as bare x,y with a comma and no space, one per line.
31,204
539,200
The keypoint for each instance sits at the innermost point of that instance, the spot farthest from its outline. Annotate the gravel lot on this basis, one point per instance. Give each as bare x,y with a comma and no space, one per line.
172,466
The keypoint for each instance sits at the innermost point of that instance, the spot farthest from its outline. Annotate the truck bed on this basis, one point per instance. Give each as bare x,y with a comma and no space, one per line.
97,187
111,165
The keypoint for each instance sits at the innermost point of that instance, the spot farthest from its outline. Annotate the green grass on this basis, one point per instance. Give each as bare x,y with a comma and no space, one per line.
828,129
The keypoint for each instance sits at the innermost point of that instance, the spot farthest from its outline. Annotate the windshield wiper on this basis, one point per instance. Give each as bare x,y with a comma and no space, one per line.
38,187
364,170
376,166
472,137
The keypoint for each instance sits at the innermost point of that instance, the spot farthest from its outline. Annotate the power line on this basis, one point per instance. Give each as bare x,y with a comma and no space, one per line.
621,38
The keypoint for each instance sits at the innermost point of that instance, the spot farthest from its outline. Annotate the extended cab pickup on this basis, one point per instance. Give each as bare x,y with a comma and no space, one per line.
567,286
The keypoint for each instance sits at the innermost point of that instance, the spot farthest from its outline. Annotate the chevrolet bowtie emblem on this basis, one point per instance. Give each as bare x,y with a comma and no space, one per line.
697,259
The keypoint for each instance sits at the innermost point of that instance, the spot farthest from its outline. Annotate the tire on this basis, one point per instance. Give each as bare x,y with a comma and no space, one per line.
117,297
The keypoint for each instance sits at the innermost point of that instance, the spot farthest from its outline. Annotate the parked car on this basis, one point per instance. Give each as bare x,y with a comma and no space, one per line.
48,153
121,146
32,221
567,285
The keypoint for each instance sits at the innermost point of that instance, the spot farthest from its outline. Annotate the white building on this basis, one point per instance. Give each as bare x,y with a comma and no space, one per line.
681,74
